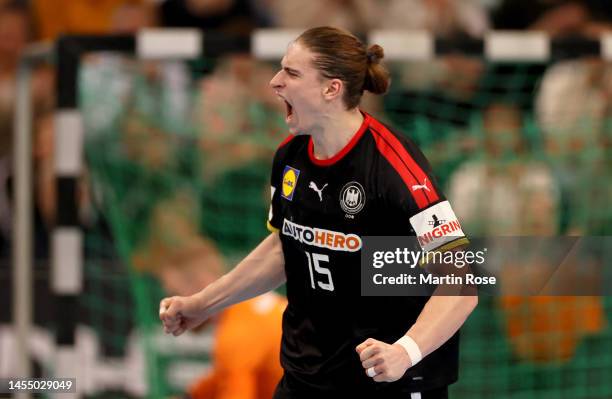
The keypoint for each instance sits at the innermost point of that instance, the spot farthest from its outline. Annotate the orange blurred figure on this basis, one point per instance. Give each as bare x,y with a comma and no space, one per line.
55,17
247,336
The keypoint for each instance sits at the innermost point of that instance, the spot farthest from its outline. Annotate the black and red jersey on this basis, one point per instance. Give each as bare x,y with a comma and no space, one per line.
379,184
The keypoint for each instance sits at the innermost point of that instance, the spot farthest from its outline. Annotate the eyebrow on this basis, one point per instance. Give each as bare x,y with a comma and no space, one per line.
291,70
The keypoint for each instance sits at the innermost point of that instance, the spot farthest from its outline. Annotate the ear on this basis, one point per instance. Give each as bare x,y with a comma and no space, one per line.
333,89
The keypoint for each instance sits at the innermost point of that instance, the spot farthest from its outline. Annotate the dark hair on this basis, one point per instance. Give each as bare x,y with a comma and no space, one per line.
341,55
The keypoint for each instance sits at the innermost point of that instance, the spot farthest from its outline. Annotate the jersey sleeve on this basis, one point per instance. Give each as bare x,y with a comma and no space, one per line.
273,221
413,191
274,214
437,228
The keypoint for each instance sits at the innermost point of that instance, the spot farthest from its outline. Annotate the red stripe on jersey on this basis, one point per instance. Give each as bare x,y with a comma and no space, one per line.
421,177
330,161
285,141
400,168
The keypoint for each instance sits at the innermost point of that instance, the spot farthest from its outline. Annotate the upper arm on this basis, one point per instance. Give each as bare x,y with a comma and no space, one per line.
411,188
276,183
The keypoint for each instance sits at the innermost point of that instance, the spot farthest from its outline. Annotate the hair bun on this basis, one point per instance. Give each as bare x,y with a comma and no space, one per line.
375,53
377,77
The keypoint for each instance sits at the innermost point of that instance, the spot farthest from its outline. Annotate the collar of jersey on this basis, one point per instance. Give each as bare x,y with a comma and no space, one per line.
347,148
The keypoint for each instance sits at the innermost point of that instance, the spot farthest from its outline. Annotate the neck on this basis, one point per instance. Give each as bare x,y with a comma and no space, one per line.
335,131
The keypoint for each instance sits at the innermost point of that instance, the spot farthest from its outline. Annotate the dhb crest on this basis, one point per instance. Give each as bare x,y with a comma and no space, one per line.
352,198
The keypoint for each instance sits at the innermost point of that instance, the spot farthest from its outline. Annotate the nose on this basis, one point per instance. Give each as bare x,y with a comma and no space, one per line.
276,82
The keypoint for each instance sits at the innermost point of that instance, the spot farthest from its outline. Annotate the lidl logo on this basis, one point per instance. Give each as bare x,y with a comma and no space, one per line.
290,178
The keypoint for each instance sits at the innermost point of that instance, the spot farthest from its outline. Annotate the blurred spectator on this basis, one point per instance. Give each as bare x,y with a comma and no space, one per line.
508,193
144,99
352,15
444,18
548,329
245,365
133,112
239,123
505,192
55,17
124,18
239,117
573,104
442,88
163,131
573,108
555,17
456,74
131,17
227,16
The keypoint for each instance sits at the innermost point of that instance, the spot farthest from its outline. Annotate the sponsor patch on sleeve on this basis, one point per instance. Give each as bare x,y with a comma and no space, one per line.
290,179
436,226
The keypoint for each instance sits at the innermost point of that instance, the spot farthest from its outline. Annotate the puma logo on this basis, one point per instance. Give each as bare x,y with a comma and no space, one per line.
421,186
319,191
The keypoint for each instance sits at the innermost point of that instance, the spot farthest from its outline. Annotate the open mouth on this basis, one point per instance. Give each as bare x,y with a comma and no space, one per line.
289,109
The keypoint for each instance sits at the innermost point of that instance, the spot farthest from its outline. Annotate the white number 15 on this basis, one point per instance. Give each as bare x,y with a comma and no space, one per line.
315,259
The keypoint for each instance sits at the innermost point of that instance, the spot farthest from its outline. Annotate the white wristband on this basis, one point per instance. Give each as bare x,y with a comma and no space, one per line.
411,347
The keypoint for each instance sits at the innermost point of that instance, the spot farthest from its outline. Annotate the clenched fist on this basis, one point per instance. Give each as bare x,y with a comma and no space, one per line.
179,314
383,362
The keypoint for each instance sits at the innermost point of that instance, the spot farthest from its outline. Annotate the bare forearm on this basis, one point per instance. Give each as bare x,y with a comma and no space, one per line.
261,271
441,317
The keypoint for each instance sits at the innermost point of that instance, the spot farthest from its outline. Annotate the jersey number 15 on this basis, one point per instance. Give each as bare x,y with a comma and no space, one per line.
315,260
